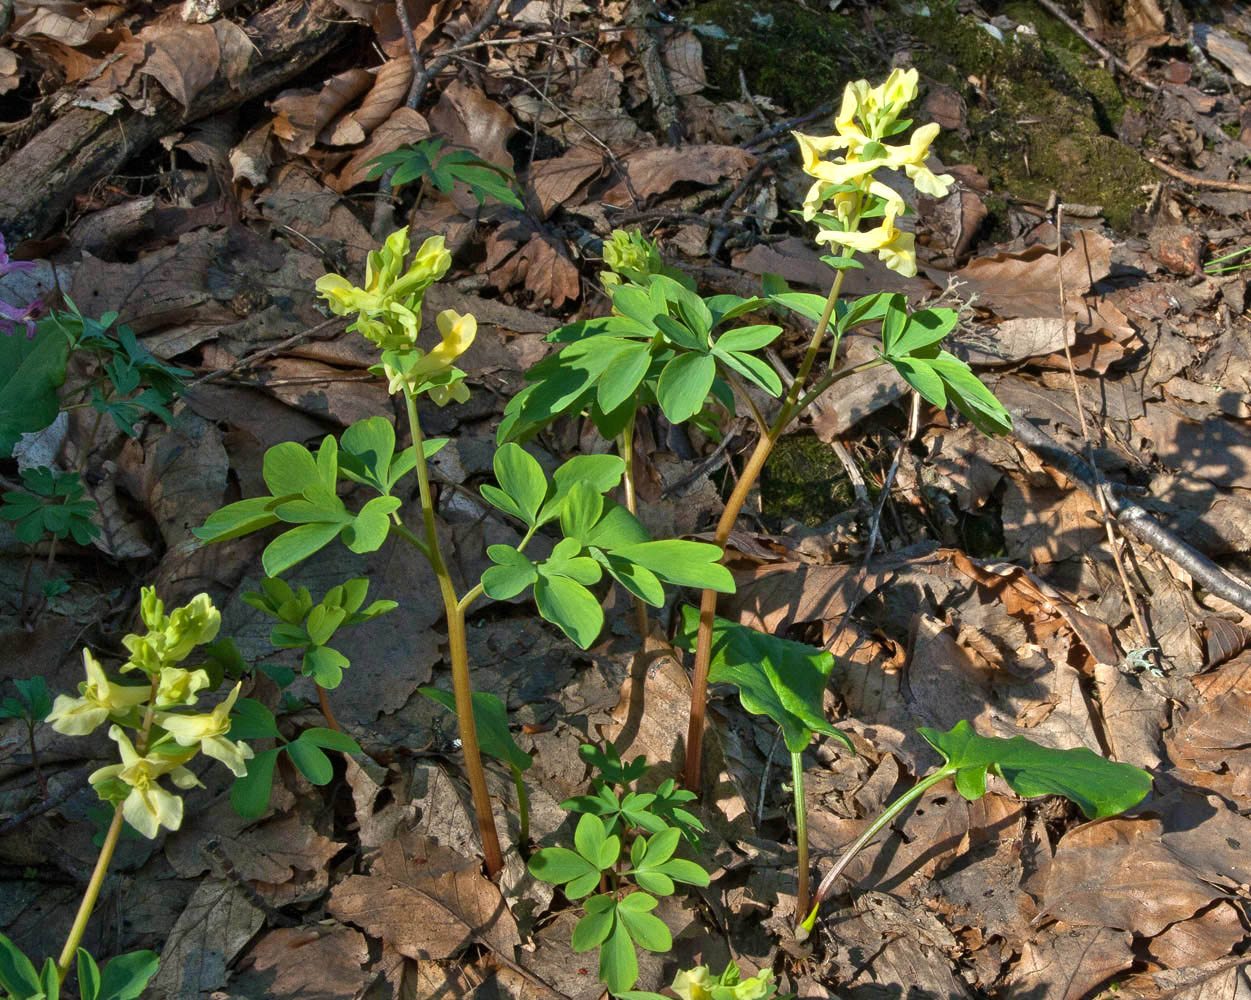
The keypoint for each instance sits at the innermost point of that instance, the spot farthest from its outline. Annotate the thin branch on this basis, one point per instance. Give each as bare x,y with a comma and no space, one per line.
1196,181
1132,517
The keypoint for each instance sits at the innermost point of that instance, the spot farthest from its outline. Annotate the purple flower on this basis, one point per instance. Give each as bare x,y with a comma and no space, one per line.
10,316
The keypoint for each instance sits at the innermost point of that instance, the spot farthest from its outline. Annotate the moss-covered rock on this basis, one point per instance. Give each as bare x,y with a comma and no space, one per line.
1040,119
796,56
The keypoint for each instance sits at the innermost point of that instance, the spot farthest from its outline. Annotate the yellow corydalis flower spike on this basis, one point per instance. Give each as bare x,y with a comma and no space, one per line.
99,698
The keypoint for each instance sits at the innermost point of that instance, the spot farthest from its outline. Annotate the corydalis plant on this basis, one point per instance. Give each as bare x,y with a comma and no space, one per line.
157,735
597,537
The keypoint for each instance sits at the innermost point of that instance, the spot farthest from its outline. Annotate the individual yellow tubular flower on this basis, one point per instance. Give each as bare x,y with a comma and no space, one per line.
209,731
693,984
912,158
900,254
99,699
179,686
148,806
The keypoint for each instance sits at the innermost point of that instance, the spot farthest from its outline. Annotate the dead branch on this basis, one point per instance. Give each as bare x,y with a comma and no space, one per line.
1132,517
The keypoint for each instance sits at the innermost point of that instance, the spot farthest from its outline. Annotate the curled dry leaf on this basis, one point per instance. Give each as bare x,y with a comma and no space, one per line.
302,114
405,126
385,96
557,181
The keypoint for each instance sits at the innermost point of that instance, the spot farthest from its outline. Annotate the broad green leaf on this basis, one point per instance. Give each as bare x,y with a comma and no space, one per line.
367,450
289,468
922,378
330,739
866,309
522,480
590,838
310,761
369,529
322,622
571,607
250,794
50,980
490,718
638,580
775,677
752,368
600,472
618,963
325,665
679,335
591,930
682,563
295,545
925,327
681,870
726,307
580,512
561,866
17,972
893,323
318,508
237,519
616,527
31,370
684,385
564,563
635,304
1098,786
806,304
646,930
88,976
250,720
623,375
691,308
748,338
511,575
126,976
970,396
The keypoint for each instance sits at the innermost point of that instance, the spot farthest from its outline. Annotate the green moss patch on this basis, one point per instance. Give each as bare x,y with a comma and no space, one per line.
803,480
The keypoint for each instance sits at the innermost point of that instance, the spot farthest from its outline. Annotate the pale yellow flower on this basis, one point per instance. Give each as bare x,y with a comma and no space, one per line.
179,686
99,699
148,806
458,334
693,984
209,731
170,639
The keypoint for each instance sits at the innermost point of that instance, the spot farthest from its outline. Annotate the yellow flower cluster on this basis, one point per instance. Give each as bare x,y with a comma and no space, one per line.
844,191
388,312
171,738
700,984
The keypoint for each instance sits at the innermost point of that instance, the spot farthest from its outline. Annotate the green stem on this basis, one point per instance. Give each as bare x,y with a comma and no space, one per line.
459,652
729,516
401,529
626,445
105,857
888,814
523,805
92,894
801,829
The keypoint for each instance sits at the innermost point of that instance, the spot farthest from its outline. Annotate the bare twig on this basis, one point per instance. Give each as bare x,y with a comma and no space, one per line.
1132,517
335,323
1197,181
659,86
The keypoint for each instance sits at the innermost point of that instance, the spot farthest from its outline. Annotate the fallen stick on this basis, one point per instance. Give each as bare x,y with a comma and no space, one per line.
1133,518
39,182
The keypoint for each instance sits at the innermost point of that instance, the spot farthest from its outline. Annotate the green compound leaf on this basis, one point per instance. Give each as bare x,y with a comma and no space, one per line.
923,329
325,665
1098,786
570,606
921,376
511,575
594,843
646,930
618,962
561,866
778,678
126,976
295,545
310,761
250,720
522,482
684,385
967,393
591,930
623,375
682,563
32,371
250,794
490,717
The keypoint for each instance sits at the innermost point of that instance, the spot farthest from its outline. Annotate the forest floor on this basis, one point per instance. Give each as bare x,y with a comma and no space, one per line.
196,166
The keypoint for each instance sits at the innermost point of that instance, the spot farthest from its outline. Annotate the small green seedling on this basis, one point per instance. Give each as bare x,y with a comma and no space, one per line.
782,680
619,918
1098,787
700,984
251,720
122,978
422,161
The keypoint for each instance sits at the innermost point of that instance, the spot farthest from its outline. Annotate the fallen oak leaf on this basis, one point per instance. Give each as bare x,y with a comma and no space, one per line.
426,901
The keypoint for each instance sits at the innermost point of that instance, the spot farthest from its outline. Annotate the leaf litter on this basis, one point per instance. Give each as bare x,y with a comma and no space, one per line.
371,887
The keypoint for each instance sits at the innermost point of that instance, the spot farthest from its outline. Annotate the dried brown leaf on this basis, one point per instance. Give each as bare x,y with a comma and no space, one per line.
385,96
1069,962
656,171
427,901
302,114
1212,934
217,924
556,181
405,126
311,963
1025,283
